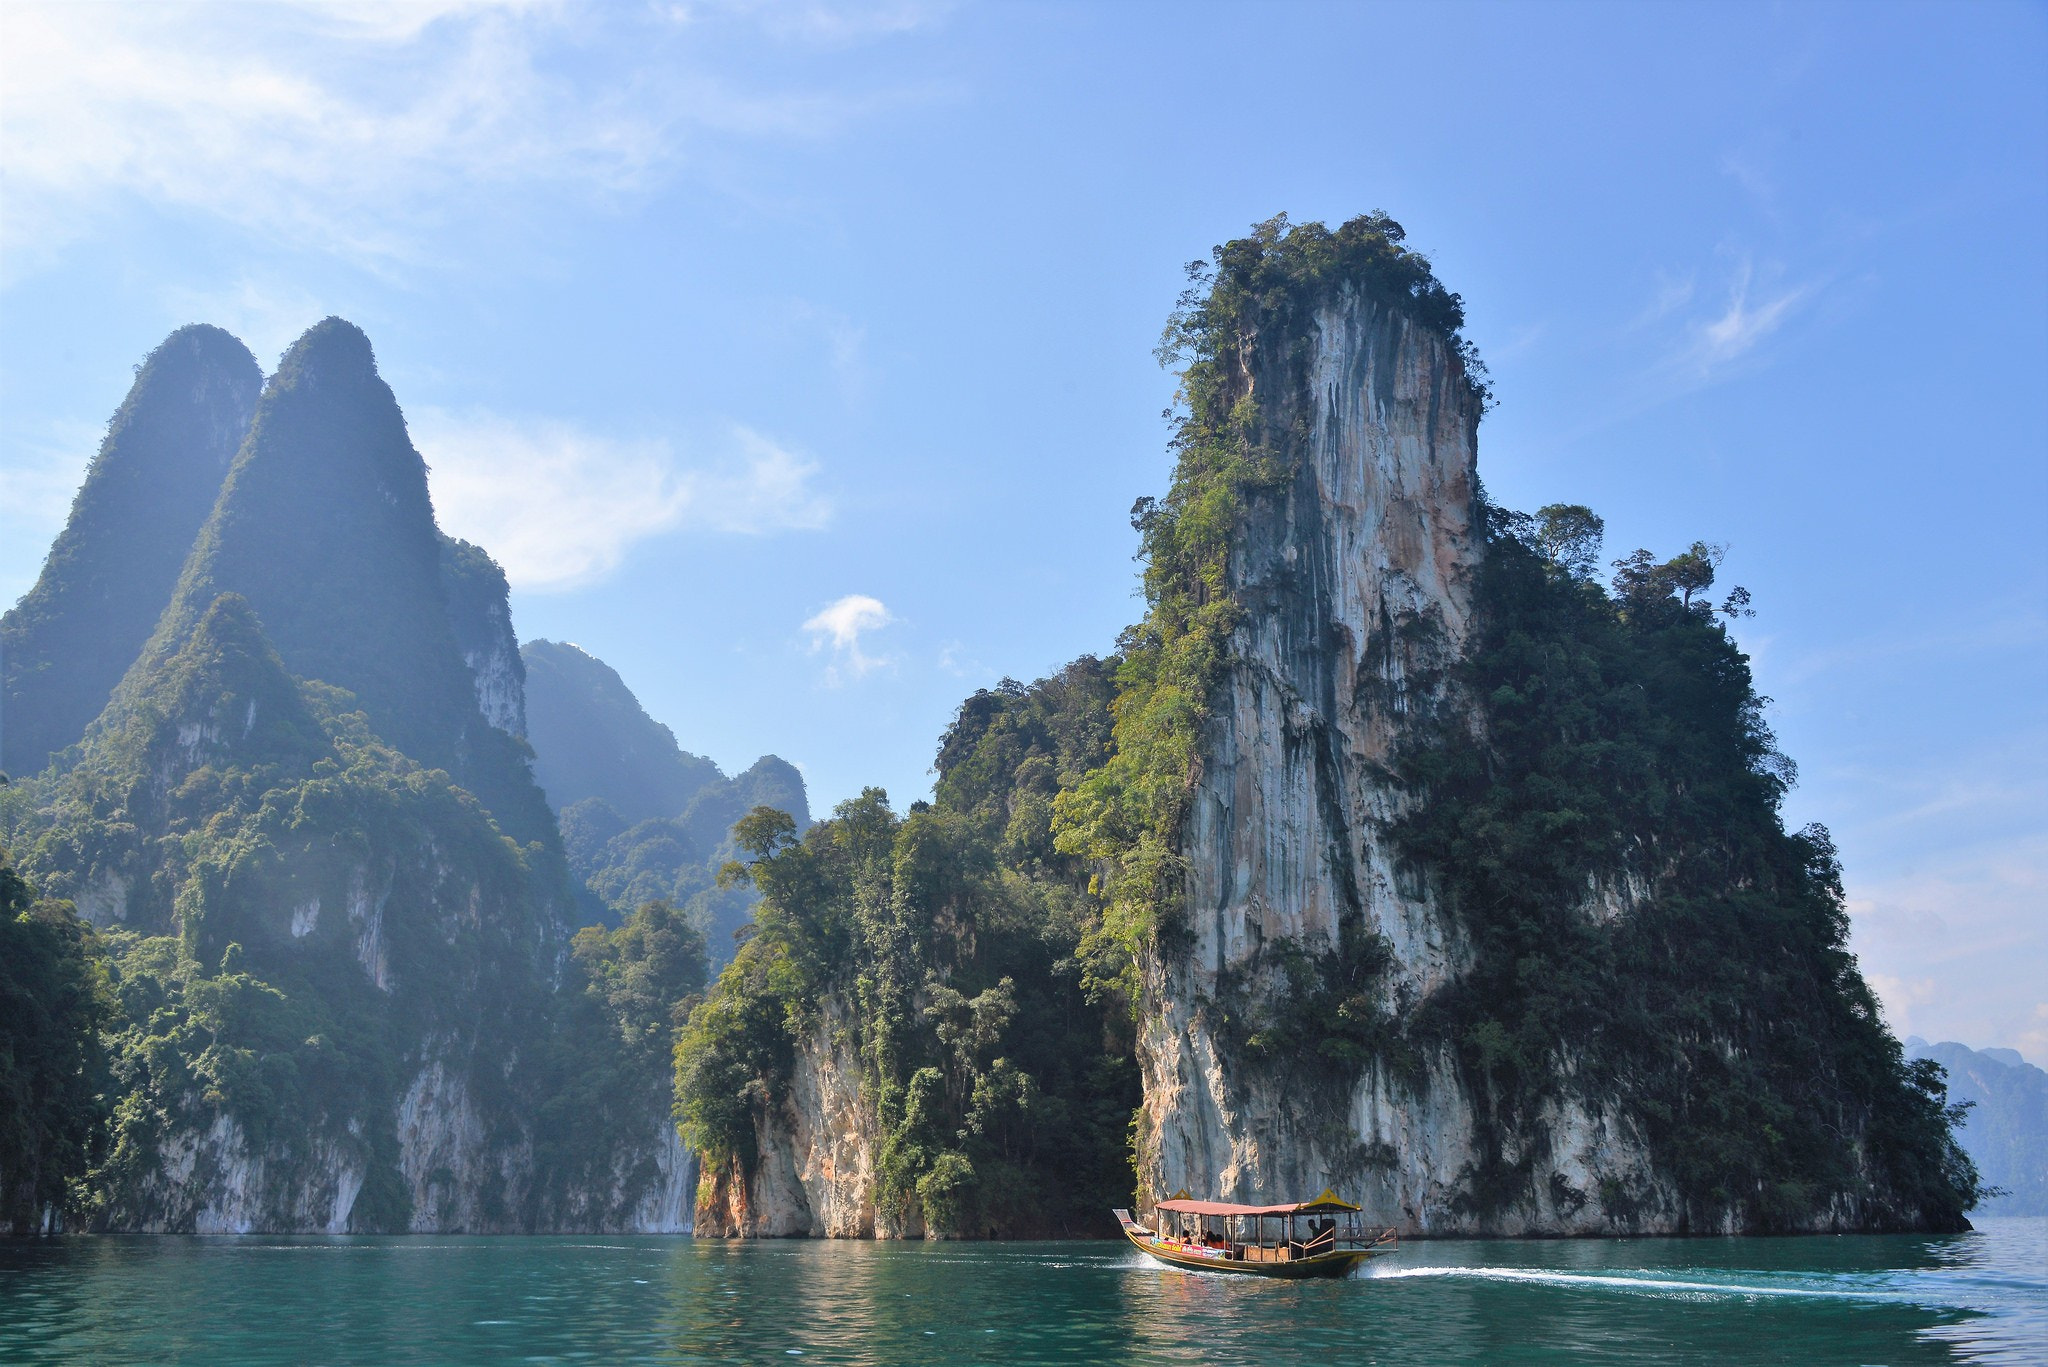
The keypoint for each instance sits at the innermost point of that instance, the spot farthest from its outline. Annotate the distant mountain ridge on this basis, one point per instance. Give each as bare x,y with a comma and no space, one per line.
2006,1131
642,819
592,739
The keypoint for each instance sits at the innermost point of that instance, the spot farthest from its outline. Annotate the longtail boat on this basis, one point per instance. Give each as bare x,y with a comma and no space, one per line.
1319,1238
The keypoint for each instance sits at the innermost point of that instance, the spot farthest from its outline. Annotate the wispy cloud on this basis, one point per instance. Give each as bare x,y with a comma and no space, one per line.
840,627
359,130
559,506
1954,947
1750,317
818,22
1673,293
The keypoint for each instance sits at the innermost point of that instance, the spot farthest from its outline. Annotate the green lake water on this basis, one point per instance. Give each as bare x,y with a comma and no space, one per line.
1980,1297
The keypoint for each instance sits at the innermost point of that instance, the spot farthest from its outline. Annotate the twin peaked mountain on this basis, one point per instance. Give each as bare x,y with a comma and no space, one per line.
267,725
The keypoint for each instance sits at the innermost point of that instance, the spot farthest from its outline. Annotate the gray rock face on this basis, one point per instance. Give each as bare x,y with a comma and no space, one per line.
1356,585
480,613
816,1173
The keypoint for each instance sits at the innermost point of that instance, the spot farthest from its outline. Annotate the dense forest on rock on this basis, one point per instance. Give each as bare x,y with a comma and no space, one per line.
1588,792
1002,1086
1624,746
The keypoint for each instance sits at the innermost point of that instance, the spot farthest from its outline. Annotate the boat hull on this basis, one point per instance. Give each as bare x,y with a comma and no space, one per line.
1333,1264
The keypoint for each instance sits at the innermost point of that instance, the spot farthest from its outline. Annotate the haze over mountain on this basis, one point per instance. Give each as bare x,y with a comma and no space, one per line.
113,567
2006,1131
641,818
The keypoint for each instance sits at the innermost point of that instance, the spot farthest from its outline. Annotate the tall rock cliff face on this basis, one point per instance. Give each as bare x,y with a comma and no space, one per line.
818,1151
1470,897
112,569
1355,579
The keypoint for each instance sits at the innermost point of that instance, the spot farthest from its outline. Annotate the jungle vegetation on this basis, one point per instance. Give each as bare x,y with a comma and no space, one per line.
944,947
1644,930
54,1002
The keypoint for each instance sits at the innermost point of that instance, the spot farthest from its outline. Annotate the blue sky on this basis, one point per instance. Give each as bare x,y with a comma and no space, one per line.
796,359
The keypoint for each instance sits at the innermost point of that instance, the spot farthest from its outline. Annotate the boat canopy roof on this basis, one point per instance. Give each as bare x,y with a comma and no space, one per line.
1186,1206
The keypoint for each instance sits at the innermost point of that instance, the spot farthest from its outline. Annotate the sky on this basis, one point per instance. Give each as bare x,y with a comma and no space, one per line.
796,360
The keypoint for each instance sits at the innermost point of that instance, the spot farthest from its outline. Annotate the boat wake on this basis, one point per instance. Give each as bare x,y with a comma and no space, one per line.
1661,1286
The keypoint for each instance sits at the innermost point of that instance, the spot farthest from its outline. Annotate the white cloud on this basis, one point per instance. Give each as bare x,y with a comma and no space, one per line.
1955,947
840,626
359,130
558,506
1742,325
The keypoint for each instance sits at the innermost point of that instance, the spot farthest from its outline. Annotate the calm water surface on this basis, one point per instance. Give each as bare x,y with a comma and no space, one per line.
1980,1297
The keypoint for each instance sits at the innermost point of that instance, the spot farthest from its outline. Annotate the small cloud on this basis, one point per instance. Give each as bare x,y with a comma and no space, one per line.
559,506
1673,293
1901,997
954,660
840,626
1750,176
1742,325
767,489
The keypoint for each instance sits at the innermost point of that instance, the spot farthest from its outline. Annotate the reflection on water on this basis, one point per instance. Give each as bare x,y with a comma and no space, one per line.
1980,1297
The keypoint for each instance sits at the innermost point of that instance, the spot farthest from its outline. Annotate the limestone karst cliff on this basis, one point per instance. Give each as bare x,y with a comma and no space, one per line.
331,900
1491,936
1352,568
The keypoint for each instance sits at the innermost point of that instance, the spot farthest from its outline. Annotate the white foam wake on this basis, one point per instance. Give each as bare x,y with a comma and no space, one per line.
1658,1285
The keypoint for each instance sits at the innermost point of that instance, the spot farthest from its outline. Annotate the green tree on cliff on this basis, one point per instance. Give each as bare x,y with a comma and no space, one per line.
53,1081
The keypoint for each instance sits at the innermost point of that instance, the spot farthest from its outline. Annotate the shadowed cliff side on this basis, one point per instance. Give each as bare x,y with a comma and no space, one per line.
111,571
